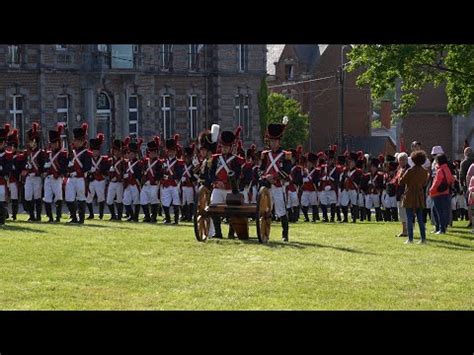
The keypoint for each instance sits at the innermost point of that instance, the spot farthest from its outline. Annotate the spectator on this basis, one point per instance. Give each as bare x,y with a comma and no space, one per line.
465,174
471,197
415,147
413,199
440,193
402,167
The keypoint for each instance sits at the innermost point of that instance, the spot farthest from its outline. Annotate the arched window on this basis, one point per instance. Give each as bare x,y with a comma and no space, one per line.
103,118
103,102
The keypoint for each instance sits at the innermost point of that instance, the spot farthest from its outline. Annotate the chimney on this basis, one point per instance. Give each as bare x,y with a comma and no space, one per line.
386,113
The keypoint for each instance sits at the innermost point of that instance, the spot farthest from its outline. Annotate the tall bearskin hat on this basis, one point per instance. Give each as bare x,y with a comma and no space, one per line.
13,139
189,150
390,158
392,166
33,133
353,156
341,159
228,138
135,146
81,132
55,135
4,132
117,144
276,130
359,163
125,144
96,143
154,145
250,153
172,143
381,158
311,157
375,162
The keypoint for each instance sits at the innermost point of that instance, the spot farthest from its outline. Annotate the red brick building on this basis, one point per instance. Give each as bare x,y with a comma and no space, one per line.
310,74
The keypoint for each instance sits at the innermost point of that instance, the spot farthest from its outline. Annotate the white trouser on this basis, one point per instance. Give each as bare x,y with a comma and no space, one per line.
131,195
75,189
96,188
293,199
327,197
278,200
309,198
247,192
115,193
361,199
388,201
32,187
3,193
52,187
372,200
219,195
13,188
187,195
348,196
170,196
149,194
460,201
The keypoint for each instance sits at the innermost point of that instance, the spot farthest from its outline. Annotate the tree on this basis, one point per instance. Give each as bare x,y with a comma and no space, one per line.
296,131
263,106
448,65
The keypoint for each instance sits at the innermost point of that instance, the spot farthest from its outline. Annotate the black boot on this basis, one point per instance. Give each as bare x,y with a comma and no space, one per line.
72,210
119,211
101,209
160,210
91,211
455,215
305,213
82,211
368,213
333,212
285,228
136,215
363,212
190,212
167,215
14,209
113,216
146,212
176,214
30,208
338,213
184,213
39,208
378,214
354,213
154,213
296,213
59,210
49,212
315,213
217,227
129,212
325,213
289,212
3,213
394,214
345,212
231,234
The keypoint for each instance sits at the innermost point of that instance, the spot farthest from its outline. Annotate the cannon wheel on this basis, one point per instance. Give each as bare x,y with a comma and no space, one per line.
202,222
264,214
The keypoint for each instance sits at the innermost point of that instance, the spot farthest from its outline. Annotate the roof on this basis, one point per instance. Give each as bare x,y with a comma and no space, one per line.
308,54
382,131
273,55
372,145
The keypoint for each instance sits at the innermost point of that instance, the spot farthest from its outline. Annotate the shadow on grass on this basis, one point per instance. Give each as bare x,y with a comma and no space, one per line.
451,245
16,228
294,245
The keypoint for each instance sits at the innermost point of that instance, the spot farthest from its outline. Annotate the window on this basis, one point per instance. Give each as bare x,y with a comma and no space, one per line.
166,114
62,109
193,57
13,56
166,56
242,114
193,116
16,116
133,116
103,102
289,71
63,58
102,47
122,56
61,47
242,57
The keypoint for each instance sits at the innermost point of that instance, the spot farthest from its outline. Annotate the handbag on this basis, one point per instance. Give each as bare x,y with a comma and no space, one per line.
443,186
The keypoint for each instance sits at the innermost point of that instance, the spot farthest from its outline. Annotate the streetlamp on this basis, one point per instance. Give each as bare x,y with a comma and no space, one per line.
341,98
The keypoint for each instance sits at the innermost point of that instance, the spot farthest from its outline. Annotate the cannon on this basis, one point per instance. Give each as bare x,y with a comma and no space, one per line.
236,211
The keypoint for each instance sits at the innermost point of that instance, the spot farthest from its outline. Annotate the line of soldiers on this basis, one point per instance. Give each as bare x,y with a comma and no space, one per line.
166,180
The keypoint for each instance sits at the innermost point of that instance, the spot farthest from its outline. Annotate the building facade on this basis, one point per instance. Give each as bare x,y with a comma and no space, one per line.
133,90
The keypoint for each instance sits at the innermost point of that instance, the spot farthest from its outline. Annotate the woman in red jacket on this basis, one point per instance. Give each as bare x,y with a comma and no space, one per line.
440,193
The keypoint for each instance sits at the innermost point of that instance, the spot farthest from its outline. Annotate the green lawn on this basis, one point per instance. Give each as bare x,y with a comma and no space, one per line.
106,265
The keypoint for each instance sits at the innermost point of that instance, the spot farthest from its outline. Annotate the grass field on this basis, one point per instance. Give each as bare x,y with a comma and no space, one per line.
105,265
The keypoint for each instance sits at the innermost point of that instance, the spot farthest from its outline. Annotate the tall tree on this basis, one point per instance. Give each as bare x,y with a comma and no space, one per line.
448,65
297,130
263,106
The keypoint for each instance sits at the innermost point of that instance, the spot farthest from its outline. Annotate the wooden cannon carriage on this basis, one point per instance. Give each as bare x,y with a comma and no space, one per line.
237,212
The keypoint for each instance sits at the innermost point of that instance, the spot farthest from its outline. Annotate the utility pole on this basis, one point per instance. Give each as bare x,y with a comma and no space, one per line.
341,101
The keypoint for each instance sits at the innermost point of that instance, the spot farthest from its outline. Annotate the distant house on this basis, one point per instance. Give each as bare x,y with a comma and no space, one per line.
309,74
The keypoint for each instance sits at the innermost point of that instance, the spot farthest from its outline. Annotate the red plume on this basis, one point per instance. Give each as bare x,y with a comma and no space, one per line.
101,137
156,139
60,129
299,149
253,147
176,138
239,145
139,142
126,141
7,127
15,132
85,126
237,132
34,127
193,146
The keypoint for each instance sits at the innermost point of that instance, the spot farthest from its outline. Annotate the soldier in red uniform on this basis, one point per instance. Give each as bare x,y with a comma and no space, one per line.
294,184
18,164
55,171
275,170
6,161
151,177
131,178
188,183
173,169
310,180
224,166
374,190
328,184
118,166
350,185
247,186
96,177
33,169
